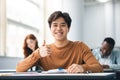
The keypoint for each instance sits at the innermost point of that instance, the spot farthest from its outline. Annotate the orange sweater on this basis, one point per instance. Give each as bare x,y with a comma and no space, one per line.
73,53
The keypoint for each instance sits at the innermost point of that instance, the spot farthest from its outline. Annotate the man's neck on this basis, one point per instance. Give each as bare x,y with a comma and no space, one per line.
61,43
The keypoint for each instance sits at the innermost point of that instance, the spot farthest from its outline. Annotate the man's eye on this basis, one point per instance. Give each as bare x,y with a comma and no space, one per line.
63,25
55,25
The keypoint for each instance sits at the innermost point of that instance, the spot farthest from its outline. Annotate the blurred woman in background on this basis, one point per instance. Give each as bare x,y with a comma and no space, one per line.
30,45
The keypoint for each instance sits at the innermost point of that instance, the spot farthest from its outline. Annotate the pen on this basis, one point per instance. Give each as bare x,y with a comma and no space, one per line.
88,71
60,69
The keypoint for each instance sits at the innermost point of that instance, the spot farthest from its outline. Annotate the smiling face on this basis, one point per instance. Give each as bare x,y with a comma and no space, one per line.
59,29
106,49
31,44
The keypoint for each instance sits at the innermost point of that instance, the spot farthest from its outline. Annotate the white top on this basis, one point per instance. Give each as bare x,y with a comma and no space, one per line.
113,60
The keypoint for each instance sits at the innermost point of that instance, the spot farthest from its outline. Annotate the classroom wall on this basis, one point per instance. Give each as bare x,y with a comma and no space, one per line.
100,21
93,25
117,22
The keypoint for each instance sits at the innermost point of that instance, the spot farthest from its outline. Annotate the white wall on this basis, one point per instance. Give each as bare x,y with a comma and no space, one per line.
94,25
2,27
117,19
101,21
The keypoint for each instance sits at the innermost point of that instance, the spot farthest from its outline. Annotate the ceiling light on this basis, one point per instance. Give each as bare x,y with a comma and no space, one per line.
103,1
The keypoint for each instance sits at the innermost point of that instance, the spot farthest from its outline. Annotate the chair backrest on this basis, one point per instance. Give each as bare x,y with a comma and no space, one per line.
9,62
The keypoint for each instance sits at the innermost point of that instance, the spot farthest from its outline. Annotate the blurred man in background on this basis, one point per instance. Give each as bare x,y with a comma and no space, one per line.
106,55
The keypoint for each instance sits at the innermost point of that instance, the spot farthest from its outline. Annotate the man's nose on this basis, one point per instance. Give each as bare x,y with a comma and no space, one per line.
104,51
59,27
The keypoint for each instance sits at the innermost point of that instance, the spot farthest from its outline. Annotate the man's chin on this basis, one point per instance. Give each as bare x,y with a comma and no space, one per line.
104,56
59,39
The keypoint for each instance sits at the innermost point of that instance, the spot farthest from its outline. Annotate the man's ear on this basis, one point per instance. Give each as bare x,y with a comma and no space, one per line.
68,29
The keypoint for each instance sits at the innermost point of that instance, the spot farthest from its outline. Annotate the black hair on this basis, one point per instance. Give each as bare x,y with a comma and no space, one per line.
57,14
110,41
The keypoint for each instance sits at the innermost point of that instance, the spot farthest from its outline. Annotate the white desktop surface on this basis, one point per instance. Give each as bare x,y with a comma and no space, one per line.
55,74
7,70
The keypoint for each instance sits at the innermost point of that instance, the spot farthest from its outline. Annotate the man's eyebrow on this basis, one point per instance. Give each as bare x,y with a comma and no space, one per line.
63,23
57,23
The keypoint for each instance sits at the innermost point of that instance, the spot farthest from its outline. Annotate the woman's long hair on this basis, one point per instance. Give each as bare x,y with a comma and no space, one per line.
26,50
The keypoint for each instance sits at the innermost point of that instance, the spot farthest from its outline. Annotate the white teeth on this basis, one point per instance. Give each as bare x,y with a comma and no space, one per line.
58,32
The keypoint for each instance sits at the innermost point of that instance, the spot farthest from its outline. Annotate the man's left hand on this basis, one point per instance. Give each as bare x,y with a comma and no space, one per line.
75,68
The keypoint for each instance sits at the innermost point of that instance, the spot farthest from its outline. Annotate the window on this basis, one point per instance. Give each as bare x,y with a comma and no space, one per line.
23,17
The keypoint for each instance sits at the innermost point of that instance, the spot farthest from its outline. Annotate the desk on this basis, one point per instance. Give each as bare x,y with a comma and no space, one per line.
58,76
118,74
117,71
7,70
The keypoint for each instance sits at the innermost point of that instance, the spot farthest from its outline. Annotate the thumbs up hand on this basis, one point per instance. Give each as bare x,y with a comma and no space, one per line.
44,50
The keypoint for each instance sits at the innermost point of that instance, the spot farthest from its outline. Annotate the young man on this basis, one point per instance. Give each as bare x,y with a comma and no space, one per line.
75,57
108,57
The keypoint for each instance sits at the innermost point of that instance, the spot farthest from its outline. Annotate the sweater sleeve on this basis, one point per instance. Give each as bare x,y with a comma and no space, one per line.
91,63
28,62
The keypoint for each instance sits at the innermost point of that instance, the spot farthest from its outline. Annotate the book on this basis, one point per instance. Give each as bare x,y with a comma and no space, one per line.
59,70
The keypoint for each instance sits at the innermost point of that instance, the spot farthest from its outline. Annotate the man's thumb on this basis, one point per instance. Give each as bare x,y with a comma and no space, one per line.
44,43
